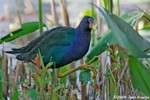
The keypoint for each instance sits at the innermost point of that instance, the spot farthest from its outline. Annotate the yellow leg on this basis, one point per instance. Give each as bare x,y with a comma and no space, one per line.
85,66
95,57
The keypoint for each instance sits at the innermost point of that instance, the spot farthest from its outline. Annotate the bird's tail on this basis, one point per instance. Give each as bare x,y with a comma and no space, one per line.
16,50
23,56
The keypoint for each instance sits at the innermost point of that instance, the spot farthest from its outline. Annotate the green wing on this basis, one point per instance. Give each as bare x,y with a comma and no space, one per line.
60,36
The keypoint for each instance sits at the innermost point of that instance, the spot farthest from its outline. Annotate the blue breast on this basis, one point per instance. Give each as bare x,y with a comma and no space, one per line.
77,50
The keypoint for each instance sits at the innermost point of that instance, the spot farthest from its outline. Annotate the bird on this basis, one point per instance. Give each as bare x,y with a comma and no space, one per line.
60,45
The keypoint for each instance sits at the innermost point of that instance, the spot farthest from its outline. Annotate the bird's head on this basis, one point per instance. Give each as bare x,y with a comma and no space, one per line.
87,23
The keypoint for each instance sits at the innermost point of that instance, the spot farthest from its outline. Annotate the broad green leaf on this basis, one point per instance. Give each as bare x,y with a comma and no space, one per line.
148,16
26,28
85,76
139,76
102,45
109,39
131,18
127,37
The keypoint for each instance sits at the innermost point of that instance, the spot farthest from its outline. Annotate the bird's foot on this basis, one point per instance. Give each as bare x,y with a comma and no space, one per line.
90,67
95,57
81,67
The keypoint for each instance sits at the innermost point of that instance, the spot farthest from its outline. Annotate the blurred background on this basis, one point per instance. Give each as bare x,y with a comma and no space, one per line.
28,11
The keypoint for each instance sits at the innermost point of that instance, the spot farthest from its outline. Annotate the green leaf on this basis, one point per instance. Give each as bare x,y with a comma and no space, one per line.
26,28
40,81
49,64
131,18
41,58
139,76
54,96
127,37
102,45
15,95
33,94
85,76
63,70
146,26
109,39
